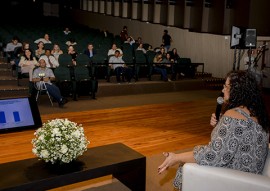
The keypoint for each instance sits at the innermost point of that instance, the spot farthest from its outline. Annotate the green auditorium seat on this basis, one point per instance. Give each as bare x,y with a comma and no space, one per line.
85,84
65,60
63,80
140,61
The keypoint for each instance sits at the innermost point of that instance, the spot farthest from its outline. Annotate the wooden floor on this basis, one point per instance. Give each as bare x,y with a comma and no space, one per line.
148,129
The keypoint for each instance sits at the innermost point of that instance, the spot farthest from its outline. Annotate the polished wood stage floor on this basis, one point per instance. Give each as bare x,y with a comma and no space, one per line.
148,129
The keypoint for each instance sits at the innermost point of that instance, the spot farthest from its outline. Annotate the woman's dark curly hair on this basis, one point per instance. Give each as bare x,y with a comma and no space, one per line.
245,91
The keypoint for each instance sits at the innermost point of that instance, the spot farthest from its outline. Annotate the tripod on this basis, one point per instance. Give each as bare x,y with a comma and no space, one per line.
41,87
237,57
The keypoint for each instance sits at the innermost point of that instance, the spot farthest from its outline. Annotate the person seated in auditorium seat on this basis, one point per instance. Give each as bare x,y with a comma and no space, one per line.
27,63
45,39
71,42
10,47
139,40
111,52
46,75
90,51
174,55
159,67
140,47
66,31
120,68
40,49
158,49
150,48
169,64
73,53
56,51
18,52
50,60
163,52
137,43
130,40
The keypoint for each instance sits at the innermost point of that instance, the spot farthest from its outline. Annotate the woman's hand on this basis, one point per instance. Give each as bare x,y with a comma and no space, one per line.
213,120
171,160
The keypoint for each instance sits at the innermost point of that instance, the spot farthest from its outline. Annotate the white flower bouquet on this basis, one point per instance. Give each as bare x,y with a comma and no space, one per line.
59,140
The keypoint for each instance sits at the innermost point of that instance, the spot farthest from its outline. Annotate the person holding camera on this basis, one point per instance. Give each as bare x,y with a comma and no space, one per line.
43,76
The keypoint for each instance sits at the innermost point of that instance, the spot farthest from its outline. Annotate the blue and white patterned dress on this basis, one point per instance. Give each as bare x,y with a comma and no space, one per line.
235,143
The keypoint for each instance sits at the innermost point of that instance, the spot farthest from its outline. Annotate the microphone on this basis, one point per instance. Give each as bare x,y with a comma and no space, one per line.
220,101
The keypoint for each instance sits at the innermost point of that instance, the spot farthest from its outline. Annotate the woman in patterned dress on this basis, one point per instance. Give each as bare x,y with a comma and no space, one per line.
239,139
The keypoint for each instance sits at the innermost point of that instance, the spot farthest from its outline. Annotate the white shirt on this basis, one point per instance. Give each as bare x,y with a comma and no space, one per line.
53,60
10,46
112,51
116,62
42,40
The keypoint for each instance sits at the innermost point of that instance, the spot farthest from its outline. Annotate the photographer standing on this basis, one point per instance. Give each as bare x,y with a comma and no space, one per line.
42,76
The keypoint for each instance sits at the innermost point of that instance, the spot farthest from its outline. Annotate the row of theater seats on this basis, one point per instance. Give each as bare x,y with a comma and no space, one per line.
142,64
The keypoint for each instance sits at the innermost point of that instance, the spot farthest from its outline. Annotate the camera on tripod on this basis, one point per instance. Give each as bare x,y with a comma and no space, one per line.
41,75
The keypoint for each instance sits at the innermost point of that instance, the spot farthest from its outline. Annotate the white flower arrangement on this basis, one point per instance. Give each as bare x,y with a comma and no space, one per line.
59,140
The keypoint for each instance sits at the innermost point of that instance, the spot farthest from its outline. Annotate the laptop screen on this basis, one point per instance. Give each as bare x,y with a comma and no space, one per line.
18,114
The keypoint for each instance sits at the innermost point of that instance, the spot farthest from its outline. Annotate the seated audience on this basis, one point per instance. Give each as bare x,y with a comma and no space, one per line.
104,33
18,52
66,31
169,64
130,40
163,52
27,63
50,60
90,51
10,47
111,52
46,75
56,51
174,55
160,67
150,48
71,42
40,49
240,137
73,53
139,40
45,39
140,47
118,65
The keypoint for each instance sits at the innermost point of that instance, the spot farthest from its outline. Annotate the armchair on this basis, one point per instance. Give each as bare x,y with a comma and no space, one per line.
205,178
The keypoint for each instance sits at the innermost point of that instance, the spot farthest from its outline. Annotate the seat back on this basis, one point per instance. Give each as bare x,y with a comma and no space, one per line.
62,73
65,60
84,84
81,73
150,55
140,57
82,60
64,80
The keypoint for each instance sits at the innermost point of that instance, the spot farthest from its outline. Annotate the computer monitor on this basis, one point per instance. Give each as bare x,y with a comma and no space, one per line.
18,114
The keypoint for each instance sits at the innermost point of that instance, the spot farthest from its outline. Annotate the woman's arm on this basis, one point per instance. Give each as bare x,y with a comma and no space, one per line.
173,159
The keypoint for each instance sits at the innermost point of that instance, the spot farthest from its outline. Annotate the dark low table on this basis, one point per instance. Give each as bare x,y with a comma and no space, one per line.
125,164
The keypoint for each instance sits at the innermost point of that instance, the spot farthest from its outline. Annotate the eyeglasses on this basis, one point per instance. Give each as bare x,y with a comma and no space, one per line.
226,86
